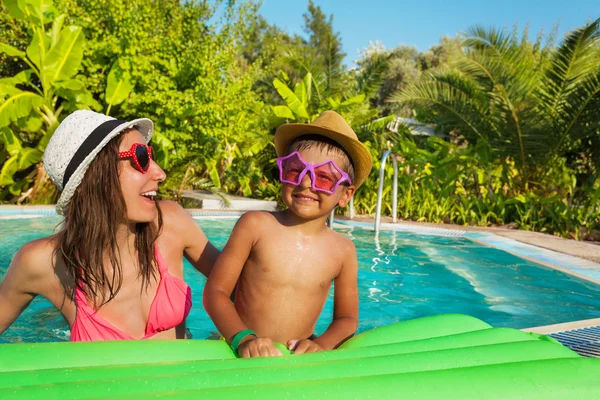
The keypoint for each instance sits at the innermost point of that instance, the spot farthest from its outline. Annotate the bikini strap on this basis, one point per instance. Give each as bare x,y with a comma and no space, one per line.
81,299
79,294
162,266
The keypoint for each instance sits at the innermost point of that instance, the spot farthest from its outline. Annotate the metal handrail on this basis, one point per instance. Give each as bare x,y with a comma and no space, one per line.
380,189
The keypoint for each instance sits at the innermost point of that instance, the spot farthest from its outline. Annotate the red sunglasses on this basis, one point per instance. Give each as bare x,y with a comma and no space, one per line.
141,155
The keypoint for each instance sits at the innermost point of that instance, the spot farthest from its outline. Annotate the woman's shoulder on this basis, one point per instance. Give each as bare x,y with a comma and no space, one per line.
37,257
39,248
170,208
177,222
173,214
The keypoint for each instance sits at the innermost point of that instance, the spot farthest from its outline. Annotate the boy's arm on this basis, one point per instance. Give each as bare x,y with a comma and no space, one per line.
222,281
345,307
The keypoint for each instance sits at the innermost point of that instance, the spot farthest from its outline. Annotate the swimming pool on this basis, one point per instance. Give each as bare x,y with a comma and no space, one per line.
402,276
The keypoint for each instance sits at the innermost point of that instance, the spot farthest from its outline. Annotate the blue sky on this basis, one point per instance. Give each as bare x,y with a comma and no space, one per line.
422,23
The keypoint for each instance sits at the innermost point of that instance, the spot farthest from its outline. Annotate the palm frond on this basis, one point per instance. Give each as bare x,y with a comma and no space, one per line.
581,112
377,132
571,63
458,102
526,101
569,91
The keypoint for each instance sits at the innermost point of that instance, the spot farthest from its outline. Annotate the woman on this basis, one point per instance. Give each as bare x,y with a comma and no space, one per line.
115,269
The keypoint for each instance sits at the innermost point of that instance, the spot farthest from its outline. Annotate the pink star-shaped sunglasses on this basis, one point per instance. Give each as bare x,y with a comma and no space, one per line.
325,177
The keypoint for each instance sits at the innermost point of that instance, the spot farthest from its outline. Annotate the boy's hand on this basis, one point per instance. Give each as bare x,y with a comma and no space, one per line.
304,346
258,347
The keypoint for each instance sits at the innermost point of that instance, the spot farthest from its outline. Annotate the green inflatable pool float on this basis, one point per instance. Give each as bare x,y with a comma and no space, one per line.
440,357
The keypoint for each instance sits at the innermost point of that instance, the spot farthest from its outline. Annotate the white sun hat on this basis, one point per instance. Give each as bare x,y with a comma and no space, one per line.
76,143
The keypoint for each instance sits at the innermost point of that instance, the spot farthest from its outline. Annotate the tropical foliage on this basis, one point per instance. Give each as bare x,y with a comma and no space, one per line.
526,108
446,183
34,98
528,102
522,118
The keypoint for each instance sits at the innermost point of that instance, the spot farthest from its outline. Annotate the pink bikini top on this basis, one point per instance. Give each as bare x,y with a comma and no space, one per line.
170,307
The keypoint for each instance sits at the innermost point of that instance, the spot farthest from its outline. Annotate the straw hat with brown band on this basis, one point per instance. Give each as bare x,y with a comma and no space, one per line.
329,124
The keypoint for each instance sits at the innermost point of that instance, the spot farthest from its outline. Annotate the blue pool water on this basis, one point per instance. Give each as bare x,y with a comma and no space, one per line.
402,276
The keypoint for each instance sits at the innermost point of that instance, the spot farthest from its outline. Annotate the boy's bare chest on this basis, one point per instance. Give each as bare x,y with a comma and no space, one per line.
293,262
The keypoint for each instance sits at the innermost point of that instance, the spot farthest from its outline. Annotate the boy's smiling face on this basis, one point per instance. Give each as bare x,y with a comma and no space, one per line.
308,203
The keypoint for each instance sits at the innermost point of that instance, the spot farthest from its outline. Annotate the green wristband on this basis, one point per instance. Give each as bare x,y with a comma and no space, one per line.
235,343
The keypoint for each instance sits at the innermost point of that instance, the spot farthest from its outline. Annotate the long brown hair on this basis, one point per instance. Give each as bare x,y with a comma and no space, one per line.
89,232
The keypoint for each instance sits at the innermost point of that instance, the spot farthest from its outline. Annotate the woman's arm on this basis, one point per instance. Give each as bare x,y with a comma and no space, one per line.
23,281
196,247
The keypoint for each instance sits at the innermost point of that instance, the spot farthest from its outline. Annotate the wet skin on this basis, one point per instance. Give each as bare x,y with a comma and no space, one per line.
284,264
35,270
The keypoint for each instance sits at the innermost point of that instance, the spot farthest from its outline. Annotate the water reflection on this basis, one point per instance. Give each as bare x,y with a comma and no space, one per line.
425,275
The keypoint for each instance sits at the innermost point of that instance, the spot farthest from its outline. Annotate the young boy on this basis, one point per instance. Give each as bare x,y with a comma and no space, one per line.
284,262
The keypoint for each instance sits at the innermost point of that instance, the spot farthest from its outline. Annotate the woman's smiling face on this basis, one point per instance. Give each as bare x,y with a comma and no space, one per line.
139,189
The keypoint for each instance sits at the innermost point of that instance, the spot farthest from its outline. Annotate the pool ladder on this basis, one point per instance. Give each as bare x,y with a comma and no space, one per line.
380,193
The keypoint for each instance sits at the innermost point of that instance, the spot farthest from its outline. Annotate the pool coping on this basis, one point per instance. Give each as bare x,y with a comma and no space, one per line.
583,337
579,267
565,326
